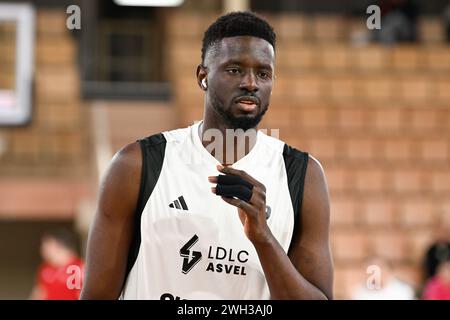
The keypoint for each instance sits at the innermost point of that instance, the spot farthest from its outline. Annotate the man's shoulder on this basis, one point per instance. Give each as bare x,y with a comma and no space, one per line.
128,154
315,164
312,162
125,164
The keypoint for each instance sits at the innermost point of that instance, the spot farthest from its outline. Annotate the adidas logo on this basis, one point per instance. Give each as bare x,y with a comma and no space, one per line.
179,204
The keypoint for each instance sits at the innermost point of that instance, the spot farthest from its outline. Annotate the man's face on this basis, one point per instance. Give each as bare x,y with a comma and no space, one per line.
50,249
240,79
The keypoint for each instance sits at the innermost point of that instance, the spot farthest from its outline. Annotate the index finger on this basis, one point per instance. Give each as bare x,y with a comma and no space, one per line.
241,173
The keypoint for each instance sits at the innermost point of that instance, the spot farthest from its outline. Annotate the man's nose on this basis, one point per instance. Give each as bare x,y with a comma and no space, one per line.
249,82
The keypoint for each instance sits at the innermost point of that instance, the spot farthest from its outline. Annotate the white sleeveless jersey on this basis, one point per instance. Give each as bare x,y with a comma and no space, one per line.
189,243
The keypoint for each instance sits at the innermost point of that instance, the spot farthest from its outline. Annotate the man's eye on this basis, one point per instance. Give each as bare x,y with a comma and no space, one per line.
264,75
233,70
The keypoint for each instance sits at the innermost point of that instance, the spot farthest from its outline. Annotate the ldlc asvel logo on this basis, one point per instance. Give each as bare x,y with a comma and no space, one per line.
190,258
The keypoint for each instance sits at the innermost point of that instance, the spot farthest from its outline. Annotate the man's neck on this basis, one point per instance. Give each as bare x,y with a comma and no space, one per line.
226,144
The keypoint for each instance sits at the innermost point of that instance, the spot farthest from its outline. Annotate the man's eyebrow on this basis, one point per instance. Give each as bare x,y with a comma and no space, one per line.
232,61
239,63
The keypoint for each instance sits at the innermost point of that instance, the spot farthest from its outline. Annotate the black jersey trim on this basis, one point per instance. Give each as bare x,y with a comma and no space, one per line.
153,149
296,163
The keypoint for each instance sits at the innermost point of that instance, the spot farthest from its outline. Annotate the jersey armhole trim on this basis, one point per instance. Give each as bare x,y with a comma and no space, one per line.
153,145
296,163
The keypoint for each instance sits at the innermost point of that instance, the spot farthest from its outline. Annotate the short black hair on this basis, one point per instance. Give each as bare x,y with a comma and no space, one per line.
64,237
240,23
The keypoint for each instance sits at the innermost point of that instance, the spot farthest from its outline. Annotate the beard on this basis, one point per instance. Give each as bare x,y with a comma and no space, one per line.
243,122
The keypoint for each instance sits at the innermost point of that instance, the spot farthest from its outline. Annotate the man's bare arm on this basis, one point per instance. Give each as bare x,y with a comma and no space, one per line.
307,273
111,232
311,254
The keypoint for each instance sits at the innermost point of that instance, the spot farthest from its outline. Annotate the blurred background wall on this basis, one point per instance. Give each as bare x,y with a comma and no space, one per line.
377,117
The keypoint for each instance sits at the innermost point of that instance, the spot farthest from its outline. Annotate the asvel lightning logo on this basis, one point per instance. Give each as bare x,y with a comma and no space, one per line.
220,259
190,258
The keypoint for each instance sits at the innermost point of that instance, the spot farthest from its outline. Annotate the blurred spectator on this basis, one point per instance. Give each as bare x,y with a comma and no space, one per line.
386,287
438,287
59,275
438,251
447,21
398,21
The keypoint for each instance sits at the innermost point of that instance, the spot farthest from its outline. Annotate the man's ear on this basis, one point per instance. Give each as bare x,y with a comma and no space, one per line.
202,77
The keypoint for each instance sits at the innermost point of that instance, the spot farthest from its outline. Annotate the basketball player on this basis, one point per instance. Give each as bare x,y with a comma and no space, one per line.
254,226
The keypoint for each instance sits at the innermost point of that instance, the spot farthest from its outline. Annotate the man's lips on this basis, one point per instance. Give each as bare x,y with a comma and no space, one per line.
247,103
